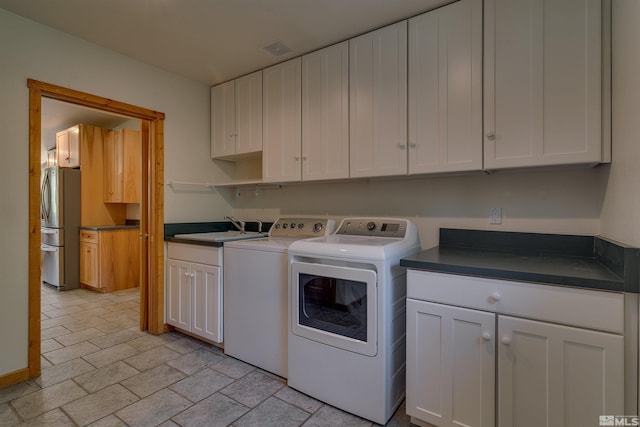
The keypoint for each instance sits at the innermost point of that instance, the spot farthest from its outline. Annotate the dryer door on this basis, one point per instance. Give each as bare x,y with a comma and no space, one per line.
335,305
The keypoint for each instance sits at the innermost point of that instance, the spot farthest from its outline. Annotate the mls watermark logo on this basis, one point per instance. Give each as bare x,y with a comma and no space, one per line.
619,420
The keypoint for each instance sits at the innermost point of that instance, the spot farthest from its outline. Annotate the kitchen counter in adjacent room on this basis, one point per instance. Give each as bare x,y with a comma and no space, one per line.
569,260
110,227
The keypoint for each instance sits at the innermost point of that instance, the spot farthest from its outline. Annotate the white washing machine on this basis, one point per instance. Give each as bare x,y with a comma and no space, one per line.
255,292
347,315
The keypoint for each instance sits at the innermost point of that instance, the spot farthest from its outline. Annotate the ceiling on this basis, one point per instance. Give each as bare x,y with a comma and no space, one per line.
209,41
212,41
57,115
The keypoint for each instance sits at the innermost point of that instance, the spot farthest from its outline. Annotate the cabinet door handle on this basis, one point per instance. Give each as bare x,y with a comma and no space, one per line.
297,158
402,146
413,145
491,134
486,336
495,297
506,340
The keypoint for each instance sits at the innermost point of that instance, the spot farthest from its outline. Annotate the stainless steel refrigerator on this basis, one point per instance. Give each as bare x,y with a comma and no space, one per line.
60,222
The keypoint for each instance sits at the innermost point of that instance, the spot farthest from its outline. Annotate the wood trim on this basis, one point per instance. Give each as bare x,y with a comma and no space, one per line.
87,100
152,212
155,242
14,377
145,268
34,278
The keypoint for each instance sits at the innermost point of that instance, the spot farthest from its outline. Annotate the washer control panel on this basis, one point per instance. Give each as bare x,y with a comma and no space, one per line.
302,227
374,227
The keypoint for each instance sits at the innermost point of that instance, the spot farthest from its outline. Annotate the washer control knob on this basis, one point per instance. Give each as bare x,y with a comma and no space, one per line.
277,226
317,227
293,225
285,226
371,226
301,225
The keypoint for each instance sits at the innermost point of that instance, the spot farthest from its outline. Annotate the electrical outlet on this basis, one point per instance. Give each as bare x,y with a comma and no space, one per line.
495,216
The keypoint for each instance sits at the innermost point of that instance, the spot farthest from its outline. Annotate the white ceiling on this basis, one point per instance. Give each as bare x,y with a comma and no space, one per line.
212,41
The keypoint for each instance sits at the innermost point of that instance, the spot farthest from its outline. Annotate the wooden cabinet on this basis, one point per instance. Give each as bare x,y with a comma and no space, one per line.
555,366
110,259
89,259
122,166
194,290
236,117
281,98
378,102
450,365
445,89
68,147
543,83
325,113
93,210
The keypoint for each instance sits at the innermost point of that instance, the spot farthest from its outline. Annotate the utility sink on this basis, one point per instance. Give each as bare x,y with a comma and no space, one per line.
221,236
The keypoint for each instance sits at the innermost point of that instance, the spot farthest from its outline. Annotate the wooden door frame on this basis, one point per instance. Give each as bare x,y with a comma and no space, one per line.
151,209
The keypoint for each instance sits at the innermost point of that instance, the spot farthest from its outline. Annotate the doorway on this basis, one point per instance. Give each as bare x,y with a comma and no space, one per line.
151,208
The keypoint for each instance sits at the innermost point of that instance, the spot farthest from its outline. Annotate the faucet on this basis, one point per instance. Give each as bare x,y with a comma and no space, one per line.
239,224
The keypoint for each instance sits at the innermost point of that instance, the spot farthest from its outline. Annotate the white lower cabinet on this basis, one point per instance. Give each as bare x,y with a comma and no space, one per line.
554,375
450,365
194,290
481,366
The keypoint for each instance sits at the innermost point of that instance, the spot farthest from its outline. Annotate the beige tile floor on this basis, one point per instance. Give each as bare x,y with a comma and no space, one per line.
99,369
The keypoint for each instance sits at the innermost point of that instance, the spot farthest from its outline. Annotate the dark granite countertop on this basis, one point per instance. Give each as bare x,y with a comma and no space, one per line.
580,261
171,229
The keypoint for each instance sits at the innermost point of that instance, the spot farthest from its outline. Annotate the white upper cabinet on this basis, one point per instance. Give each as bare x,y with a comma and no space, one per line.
378,102
325,113
249,113
281,155
236,116
542,99
445,89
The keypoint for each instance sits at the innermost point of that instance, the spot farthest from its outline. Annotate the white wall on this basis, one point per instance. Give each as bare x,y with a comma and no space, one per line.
621,211
566,201
30,50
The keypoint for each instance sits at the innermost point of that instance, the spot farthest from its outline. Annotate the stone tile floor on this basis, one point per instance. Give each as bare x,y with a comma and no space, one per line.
99,369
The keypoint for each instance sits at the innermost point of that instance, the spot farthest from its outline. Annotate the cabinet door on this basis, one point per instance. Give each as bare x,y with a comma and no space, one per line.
178,294
325,113
207,302
68,147
378,102
552,375
445,89
542,82
89,257
131,165
281,122
223,120
113,167
450,365
249,113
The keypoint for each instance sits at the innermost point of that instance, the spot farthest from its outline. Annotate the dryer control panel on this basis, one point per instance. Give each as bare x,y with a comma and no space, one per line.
302,227
374,227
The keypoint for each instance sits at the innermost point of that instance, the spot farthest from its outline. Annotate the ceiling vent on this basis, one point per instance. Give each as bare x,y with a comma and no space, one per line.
277,48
